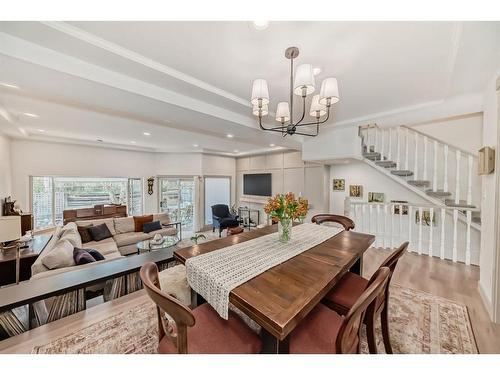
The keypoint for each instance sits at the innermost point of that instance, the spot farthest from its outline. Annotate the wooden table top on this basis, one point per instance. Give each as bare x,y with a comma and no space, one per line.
33,250
281,297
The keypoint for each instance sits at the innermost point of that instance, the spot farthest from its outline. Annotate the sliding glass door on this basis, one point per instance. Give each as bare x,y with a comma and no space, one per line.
177,199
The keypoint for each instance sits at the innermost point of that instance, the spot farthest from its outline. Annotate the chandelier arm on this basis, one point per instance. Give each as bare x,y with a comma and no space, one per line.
317,122
303,111
307,134
270,129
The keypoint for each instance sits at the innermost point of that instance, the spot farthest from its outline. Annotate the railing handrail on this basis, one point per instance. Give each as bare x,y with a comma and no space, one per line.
423,205
438,140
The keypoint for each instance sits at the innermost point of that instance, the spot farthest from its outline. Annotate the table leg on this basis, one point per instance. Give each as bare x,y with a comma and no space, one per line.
357,267
272,345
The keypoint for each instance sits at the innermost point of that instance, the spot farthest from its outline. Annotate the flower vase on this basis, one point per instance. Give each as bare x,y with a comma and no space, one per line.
285,230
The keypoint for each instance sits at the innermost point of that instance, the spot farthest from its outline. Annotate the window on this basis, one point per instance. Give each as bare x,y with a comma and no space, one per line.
52,195
217,191
177,199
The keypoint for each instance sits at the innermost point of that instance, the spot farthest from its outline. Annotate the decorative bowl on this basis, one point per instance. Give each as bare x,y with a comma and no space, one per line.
157,239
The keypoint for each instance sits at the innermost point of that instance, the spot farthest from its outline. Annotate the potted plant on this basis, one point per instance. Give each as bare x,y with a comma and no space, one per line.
285,208
197,237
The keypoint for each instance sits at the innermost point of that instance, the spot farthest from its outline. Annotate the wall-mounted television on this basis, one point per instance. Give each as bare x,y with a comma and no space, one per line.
257,184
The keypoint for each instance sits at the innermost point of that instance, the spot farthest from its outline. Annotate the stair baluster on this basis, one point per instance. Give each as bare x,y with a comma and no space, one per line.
435,172
467,239
419,249
445,180
457,177
443,217
469,180
406,149
455,235
410,226
415,167
398,148
431,231
425,159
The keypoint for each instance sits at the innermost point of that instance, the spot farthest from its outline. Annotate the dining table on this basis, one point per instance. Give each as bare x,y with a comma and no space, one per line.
281,297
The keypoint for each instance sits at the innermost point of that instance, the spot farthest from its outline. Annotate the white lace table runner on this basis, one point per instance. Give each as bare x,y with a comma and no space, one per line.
213,275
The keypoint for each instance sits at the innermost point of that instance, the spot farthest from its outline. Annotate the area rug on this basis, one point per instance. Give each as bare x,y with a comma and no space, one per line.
420,323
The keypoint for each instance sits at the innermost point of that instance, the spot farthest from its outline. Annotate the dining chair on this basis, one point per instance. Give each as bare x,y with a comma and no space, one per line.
200,330
347,223
325,331
345,294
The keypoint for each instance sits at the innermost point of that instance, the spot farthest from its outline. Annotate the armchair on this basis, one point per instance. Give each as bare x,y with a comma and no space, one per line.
222,219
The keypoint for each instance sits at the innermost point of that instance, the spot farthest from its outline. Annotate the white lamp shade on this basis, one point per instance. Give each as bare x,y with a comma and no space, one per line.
317,107
283,112
10,228
260,91
329,90
265,110
304,77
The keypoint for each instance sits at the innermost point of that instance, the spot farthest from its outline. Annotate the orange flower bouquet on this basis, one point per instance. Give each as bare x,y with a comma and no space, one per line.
286,208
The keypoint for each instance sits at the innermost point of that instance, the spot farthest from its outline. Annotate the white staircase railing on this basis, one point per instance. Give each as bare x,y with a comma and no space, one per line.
441,170
432,230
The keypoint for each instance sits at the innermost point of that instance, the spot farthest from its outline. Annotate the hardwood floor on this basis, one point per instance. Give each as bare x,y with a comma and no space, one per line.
446,279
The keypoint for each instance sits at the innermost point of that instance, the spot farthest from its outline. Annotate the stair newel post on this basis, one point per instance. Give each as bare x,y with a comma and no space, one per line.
455,235
398,148
434,172
410,226
406,149
415,165
425,159
469,179
443,217
390,144
457,177
445,178
419,250
431,231
467,244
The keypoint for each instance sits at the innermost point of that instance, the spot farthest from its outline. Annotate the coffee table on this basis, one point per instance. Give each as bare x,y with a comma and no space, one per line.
147,245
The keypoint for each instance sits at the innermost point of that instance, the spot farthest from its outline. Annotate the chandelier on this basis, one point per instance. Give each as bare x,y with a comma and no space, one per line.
302,84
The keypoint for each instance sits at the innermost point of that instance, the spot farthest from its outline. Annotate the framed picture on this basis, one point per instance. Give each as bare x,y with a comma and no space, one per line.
356,191
427,220
404,207
376,197
338,184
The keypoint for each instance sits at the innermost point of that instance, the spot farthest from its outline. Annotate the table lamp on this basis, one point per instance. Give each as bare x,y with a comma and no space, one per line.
10,230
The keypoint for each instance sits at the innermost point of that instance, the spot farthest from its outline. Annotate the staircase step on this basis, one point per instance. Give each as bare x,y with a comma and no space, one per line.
372,155
402,173
438,193
419,183
386,164
476,219
460,204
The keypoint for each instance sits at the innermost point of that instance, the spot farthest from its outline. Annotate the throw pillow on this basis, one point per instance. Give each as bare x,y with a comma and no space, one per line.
100,232
95,254
150,227
124,224
85,233
60,256
140,220
82,257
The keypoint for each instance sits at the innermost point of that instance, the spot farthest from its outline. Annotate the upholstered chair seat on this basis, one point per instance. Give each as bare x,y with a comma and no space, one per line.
213,335
346,292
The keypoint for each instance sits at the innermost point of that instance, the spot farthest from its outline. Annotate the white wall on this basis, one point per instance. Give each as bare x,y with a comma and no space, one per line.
5,169
465,132
489,244
333,143
33,158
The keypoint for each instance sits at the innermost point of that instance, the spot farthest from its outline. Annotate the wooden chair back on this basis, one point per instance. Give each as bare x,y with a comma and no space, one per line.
180,314
348,338
347,223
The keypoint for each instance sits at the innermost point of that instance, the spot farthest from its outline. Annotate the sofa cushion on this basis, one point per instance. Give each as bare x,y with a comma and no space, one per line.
105,247
60,256
95,254
85,233
82,257
124,224
139,222
109,222
152,226
163,218
72,236
100,232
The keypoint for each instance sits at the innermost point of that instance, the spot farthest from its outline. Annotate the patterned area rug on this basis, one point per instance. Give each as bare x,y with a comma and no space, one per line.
420,323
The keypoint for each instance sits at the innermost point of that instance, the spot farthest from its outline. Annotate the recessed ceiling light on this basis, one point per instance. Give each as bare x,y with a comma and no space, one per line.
261,25
195,145
133,142
41,130
9,85
236,151
99,140
272,145
229,135
146,133
30,114
316,71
